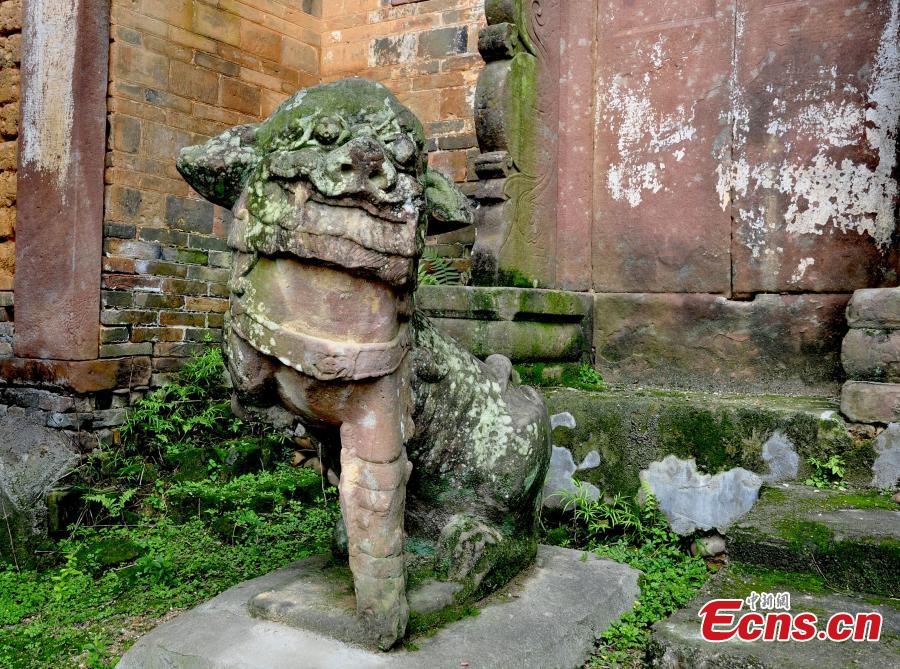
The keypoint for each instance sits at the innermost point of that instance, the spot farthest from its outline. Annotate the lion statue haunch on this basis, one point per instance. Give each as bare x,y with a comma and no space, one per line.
331,198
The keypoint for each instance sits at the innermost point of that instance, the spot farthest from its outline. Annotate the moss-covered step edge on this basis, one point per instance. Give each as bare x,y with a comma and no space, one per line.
676,640
851,539
631,428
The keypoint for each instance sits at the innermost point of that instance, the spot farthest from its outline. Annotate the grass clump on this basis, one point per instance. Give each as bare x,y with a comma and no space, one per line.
189,502
623,530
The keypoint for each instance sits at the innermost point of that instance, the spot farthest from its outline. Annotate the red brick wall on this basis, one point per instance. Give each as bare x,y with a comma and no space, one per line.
181,72
426,52
10,42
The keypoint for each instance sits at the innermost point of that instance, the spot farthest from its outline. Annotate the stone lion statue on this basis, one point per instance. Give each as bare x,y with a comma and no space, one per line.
442,458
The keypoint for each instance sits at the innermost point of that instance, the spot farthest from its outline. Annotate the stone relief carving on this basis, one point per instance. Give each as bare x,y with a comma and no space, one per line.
517,125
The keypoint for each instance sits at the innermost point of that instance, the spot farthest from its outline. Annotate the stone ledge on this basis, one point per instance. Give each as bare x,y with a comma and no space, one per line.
877,308
79,376
773,344
524,324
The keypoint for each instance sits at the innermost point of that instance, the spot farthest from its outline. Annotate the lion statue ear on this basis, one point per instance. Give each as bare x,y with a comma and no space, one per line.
448,208
218,169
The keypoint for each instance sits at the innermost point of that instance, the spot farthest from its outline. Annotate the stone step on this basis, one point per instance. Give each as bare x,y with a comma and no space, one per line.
849,538
676,642
631,428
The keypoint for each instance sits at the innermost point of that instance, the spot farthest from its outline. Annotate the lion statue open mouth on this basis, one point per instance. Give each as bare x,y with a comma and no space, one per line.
442,458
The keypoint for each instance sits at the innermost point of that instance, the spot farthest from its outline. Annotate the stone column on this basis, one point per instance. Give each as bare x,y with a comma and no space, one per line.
517,124
59,231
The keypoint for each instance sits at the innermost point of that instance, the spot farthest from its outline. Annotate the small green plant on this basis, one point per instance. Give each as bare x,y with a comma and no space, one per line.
620,529
590,379
827,473
436,270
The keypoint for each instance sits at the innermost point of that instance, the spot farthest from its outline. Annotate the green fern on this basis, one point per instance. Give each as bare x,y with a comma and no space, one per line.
436,270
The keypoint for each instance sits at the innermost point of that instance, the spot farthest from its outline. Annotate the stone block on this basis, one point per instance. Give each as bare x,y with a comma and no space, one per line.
216,24
850,540
126,133
82,377
260,41
119,230
774,344
299,56
872,355
886,468
631,429
32,459
239,96
520,323
865,402
443,42
693,501
140,66
125,349
193,82
877,308
220,65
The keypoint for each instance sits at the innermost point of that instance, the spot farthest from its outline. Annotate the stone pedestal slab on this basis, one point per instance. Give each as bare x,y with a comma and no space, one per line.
548,617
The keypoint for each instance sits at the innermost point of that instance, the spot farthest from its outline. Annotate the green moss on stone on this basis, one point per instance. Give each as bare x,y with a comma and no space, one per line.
516,279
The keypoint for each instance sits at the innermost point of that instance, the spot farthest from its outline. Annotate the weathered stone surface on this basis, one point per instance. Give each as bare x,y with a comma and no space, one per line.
851,539
560,479
517,112
676,642
781,457
782,344
78,376
520,323
480,453
886,468
331,196
566,597
575,210
877,308
62,143
812,200
658,225
694,501
32,459
864,402
708,546
872,355
632,429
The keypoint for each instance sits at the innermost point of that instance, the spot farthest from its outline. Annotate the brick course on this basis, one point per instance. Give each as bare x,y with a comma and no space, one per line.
424,51
183,71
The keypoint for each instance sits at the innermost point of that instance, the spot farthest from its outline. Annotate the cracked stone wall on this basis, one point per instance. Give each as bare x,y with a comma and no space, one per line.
744,187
